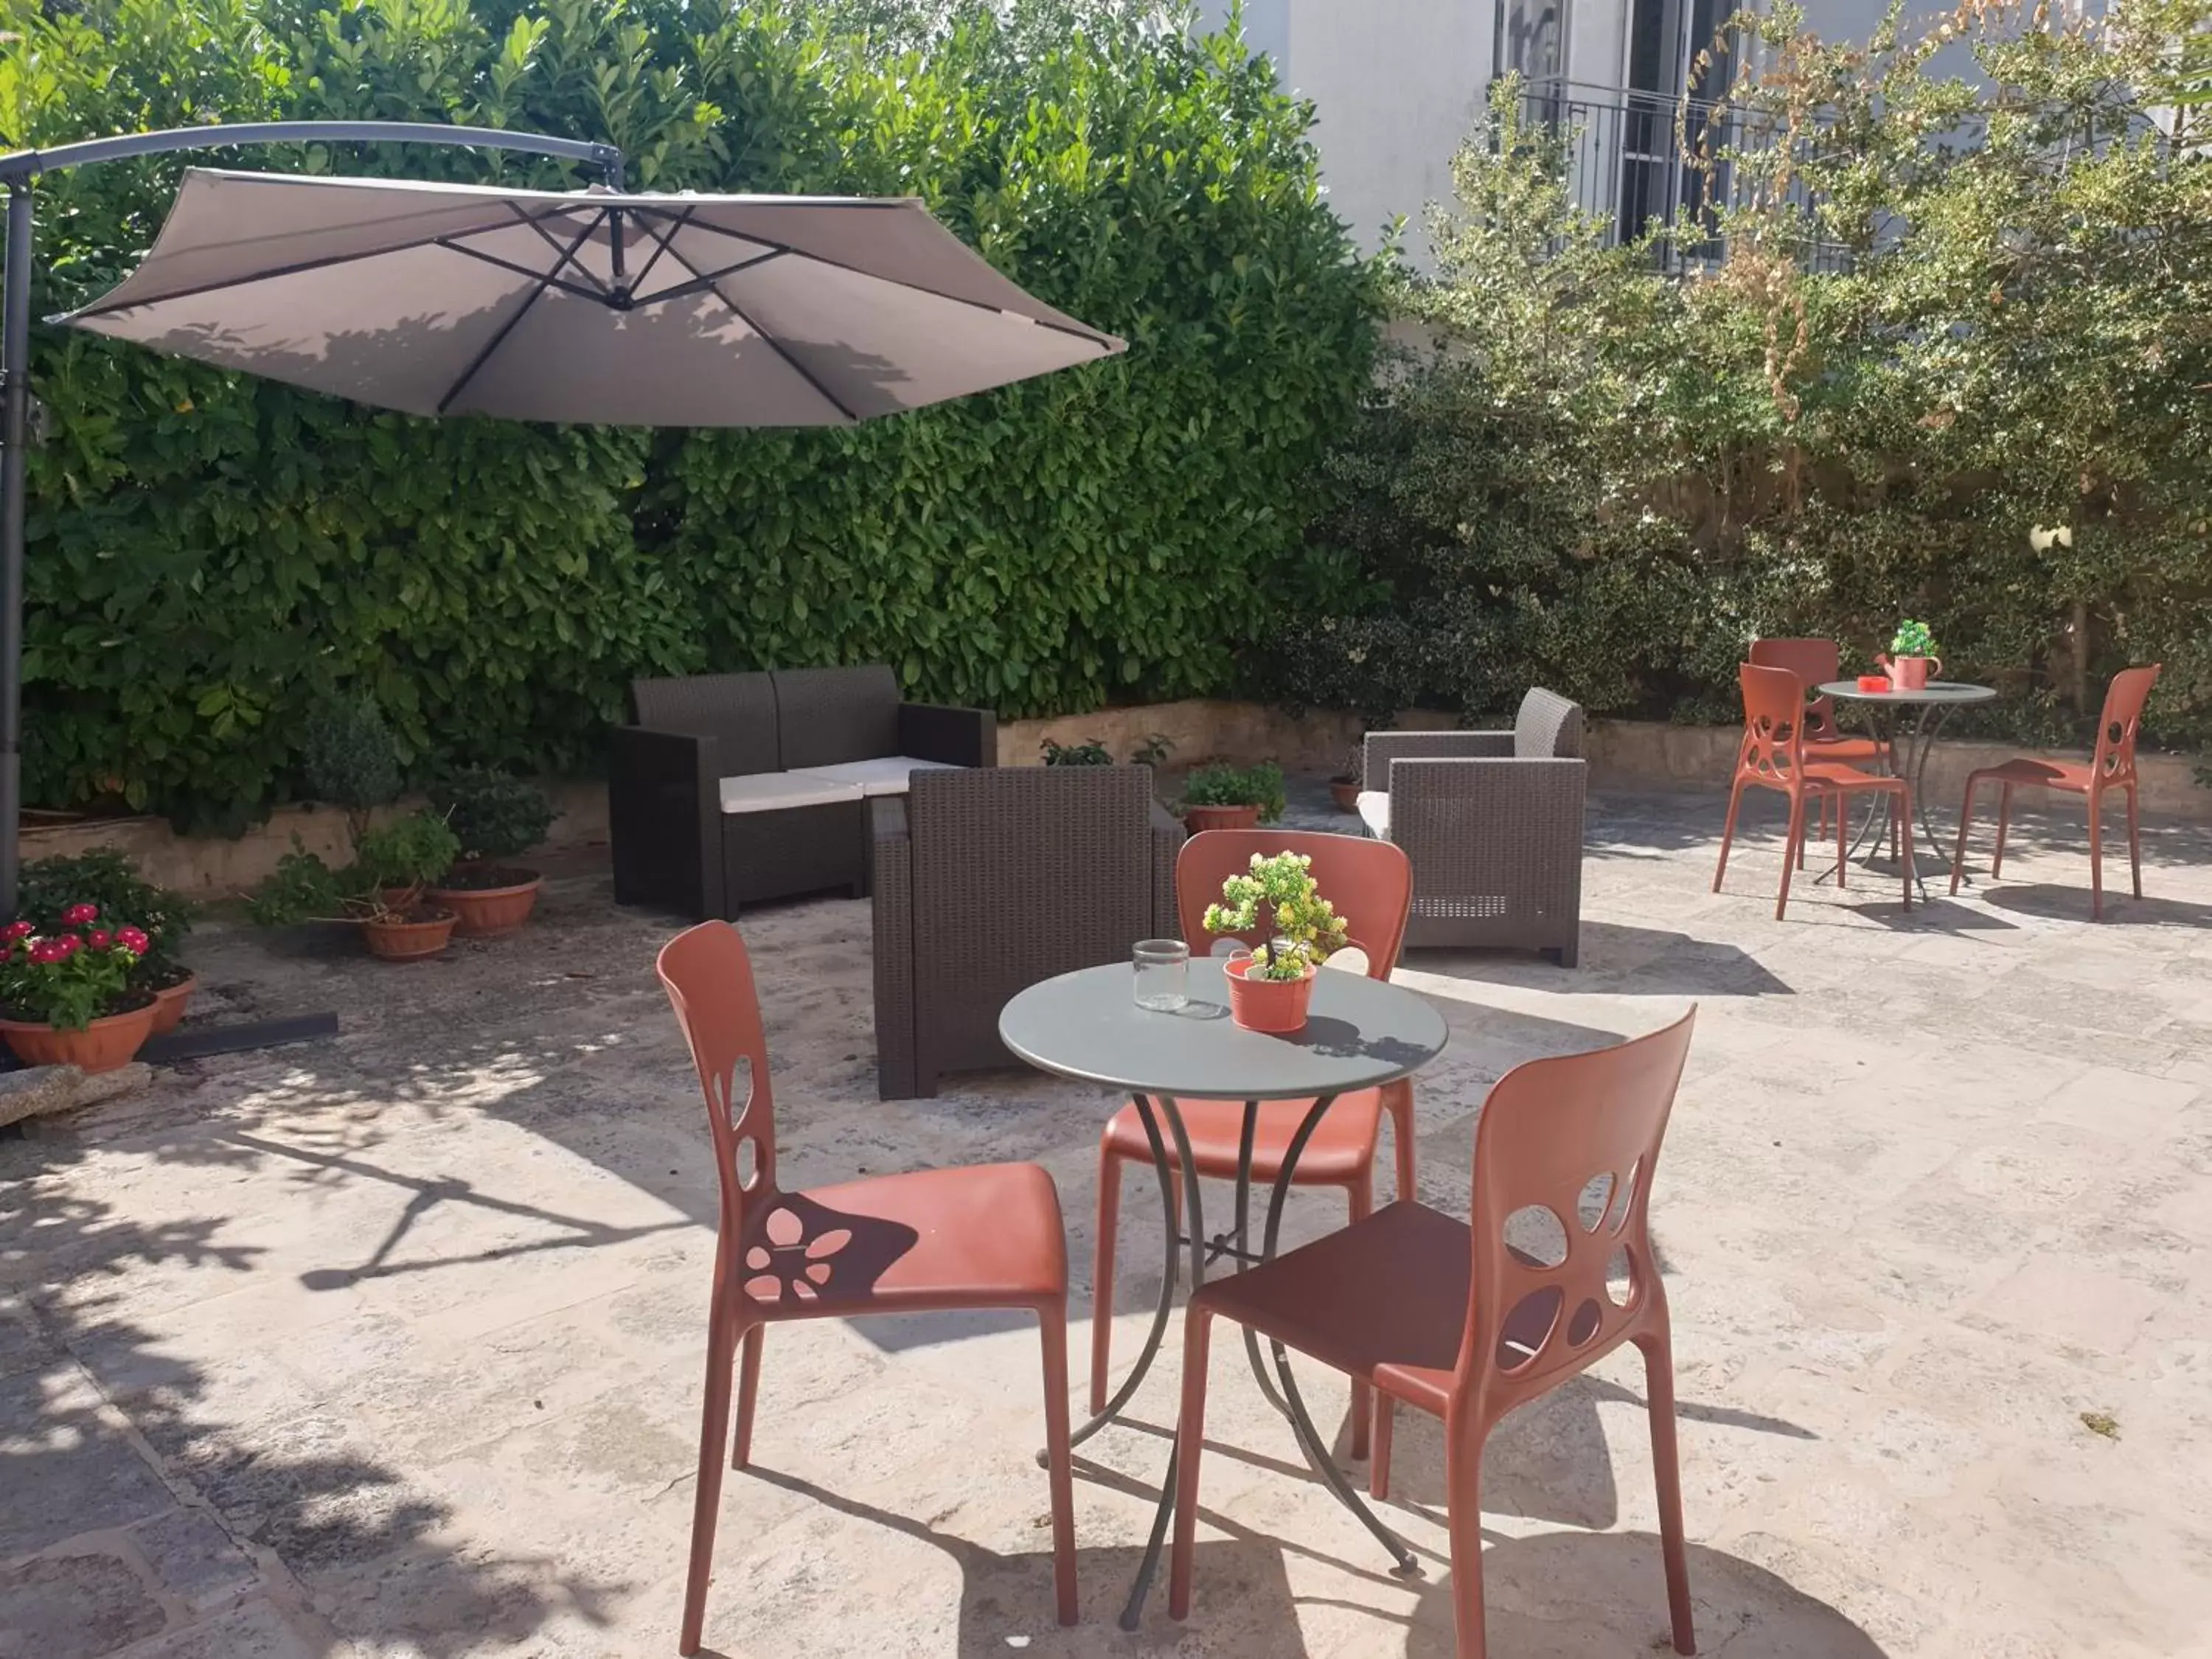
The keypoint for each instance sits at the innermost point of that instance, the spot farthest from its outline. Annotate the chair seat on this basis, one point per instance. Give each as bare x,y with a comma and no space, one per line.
1373,807
779,792
886,774
989,1236
2072,776
1846,749
1340,1148
1384,1299
1833,774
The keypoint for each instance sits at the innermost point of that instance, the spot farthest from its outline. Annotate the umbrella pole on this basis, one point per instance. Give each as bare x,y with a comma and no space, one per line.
14,435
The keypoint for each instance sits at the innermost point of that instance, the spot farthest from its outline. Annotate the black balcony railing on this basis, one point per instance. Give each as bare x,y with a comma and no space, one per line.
1629,166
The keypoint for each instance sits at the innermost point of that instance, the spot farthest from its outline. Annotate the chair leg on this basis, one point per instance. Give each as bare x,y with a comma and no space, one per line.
1666,1464
707,1501
1386,1422
1190,1440
1901,807
1727,831
2134,840
1052,1332
2096,857
1894,853
1361,1193
1789,851
1463,1501
1965,819
748,1391
1400,1100
2004,822
1101,1275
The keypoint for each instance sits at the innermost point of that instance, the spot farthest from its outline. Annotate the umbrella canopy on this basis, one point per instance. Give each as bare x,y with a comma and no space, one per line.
625,310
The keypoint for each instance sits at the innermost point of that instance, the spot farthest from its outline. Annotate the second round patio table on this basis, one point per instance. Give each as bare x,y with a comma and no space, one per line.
1360,1033
1935,704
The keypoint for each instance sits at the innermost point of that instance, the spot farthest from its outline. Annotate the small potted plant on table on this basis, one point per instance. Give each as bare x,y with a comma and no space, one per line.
105,878
1911,657
495,817
1220,796
1269,990
66,991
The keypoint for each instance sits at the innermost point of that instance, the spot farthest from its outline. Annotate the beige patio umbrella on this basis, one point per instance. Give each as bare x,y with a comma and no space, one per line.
598,305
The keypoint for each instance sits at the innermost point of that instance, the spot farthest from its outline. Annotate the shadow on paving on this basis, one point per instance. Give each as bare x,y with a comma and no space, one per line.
126,1488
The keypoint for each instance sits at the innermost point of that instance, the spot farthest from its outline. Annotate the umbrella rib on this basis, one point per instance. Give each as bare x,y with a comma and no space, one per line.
499,338
660,246
442,239
702,284
764,336
568,254
598,297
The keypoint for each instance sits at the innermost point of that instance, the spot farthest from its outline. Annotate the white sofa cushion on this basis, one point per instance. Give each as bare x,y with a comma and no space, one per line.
885,774
772,791
1374,807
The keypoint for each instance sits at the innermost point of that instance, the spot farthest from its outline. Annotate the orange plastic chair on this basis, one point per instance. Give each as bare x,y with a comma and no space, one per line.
1821,662
987,1236
2112,767
1775,755
1456,1322
1371,885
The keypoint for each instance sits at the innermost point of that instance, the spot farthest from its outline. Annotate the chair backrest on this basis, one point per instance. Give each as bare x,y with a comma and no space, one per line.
1548,727
826,716
1370,882
708,977
737,710
1577,1136
1816,662
1773,749
2116,727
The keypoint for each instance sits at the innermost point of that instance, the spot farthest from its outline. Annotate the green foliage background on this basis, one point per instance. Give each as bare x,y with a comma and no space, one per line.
1606,479
210,554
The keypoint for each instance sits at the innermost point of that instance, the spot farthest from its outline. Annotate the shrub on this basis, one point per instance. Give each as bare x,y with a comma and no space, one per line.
1218,785
494,816
348,759
1090,753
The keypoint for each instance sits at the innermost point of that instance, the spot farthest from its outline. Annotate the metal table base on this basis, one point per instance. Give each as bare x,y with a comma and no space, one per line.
1908,752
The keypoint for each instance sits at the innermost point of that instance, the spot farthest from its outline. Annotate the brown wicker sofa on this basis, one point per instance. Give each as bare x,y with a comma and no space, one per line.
1492,824
732,788
987,881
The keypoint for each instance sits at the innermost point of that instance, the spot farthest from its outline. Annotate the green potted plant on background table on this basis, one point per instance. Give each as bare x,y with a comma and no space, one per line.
1913,661
65,993
103,878
1270,989
495,818
1219,797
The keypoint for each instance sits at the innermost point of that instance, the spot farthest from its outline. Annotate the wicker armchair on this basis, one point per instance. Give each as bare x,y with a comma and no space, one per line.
987,881
1493,823
732,788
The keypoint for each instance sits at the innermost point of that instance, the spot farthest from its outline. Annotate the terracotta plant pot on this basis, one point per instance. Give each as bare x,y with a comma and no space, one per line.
1345,792
1198,818
490,912
1276,1005
170,1002
102,1046
421,932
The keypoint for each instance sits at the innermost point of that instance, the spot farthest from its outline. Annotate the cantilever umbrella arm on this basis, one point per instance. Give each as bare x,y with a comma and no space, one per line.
16,172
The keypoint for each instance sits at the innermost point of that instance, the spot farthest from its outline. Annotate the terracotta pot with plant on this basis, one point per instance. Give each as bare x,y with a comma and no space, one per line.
1912,660
1220,796
1344,787
105,878
1270,990
496,818
66,991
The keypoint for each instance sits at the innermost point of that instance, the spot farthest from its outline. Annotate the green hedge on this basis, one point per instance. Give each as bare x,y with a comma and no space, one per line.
209,554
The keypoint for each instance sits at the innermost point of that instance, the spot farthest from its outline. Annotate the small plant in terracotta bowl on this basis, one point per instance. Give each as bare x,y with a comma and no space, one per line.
66,991
1279,900
382,891
496,818
1220,796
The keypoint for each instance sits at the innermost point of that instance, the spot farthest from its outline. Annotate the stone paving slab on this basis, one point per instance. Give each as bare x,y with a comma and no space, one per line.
388,1347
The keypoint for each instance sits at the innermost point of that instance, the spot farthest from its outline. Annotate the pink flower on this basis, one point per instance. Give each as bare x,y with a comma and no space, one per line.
132,939
46,950
77,915
67,946
16,930
99,939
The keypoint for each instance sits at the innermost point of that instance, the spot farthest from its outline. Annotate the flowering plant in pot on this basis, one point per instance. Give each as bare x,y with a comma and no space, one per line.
103,878
495,818
1220,796
1911,657
66,991
1279,898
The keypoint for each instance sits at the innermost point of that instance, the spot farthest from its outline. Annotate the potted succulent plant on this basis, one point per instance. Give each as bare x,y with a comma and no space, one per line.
66,991
103,878
1220,796
1911,657
495,817
1344,787
382,891
1279,901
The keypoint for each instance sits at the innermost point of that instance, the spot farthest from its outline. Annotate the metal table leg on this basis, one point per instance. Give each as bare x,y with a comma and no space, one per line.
1152,1337
1245,1137
1933,718
1309,1440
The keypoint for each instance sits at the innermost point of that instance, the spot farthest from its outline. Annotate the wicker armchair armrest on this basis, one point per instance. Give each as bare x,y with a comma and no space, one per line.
959,737
664,818
1383,747
891,882
1167,835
